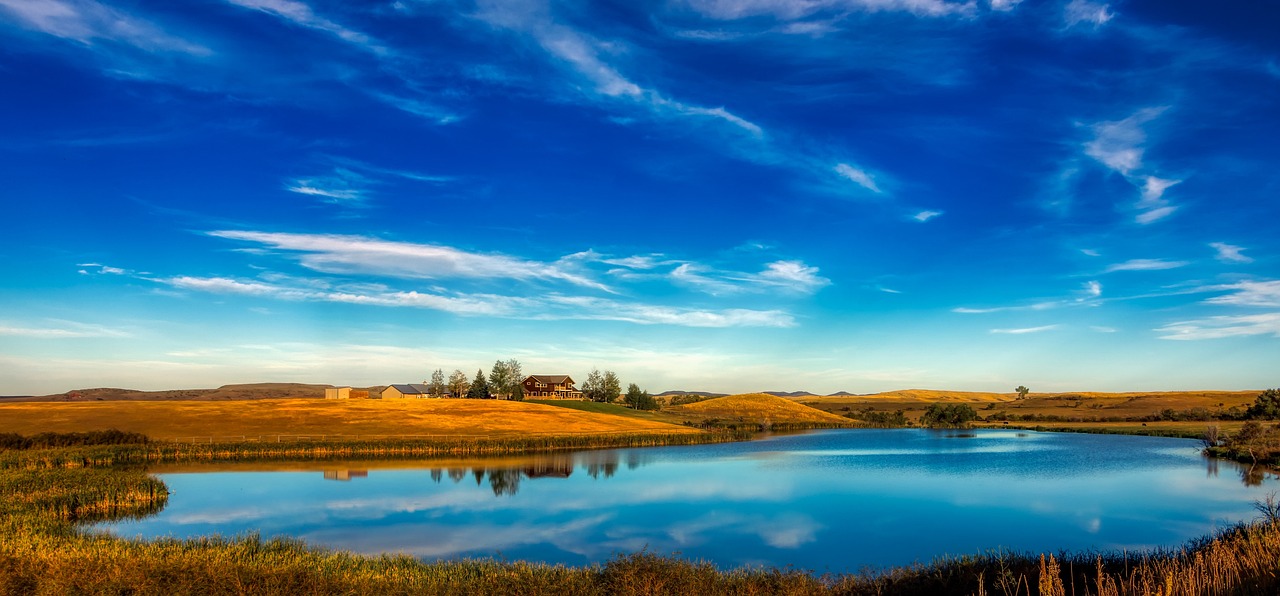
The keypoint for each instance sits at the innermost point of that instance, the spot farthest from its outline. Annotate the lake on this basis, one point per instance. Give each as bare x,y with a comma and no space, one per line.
824,501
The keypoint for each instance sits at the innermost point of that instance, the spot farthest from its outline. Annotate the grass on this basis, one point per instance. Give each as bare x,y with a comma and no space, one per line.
755,408
602,408
43,551
1076,411
168,420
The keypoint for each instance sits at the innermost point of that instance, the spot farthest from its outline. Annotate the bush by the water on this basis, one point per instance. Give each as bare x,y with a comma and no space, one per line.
53,440
949,416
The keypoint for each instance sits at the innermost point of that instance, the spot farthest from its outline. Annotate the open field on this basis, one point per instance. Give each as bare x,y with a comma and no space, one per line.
756,408
1085,405
178,419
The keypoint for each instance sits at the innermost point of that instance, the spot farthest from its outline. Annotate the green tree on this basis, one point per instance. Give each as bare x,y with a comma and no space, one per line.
1266,407
1022,391
479,387
458,384
505,378
591,387
518,394
948,416
610,388
639,399
437,385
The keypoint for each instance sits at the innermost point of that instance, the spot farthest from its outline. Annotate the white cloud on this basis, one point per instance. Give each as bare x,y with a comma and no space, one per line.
63,330
1089,252
583,54
1154,215
1229,253
1092,289
359,255
1145,265
788,10
1247,293
1223,327
1153,189
1026,330
1102,329
87,22
301,14
924,216
552,307
788,275
791,275
1118,144
1004,5
418,107
858,176
1085,11
101,269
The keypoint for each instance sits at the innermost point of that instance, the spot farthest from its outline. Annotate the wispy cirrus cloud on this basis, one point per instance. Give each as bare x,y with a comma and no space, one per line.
1246,293
1229,253
358,255
59,329
89,22
302,15
793,276
925,215
1145,265
1088,12
1120,146
858,176
1221,327
99,268
584,55
1025,330
541,307
791,10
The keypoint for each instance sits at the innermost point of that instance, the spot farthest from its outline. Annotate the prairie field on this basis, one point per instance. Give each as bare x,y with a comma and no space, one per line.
167,420
1085,405
755,408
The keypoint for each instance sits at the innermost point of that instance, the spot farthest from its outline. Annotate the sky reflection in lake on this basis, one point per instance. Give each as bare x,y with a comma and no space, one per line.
833,500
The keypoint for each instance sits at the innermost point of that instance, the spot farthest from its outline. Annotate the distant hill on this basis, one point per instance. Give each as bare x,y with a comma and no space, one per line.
756,408
698,393
789,393
245,391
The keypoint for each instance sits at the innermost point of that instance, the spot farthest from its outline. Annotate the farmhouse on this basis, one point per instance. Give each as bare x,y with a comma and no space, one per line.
402,391
552,386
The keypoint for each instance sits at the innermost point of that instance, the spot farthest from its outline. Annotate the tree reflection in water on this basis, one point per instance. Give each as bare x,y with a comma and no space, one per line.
505,479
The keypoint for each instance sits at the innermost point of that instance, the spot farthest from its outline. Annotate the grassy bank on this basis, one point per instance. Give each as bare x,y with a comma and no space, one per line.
46,493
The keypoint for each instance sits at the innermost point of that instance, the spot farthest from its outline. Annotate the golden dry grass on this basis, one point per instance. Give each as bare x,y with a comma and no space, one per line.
755,407
178,419
1082,404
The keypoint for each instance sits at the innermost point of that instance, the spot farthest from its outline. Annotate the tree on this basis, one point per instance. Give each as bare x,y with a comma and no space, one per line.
611,387
591,387
505,378
479,387
639,399
458,384
437,386
518,394
1266,407
1022,391
953,415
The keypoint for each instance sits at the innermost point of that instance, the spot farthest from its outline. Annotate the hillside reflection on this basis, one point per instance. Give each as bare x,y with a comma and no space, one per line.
505,478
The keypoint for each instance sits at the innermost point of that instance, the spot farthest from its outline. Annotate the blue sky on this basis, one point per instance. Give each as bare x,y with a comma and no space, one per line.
826,195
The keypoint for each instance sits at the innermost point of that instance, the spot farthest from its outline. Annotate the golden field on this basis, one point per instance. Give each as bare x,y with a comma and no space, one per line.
754,408
1080,404
184,419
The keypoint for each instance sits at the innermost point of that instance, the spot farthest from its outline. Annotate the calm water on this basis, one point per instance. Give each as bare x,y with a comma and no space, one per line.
826,501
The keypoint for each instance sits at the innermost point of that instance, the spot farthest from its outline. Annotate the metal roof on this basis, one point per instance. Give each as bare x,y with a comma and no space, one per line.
413,389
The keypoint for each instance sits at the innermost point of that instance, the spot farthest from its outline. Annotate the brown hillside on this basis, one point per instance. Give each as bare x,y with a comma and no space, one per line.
756,408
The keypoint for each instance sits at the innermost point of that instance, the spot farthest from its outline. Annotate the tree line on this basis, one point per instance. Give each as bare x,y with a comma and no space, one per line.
506,381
